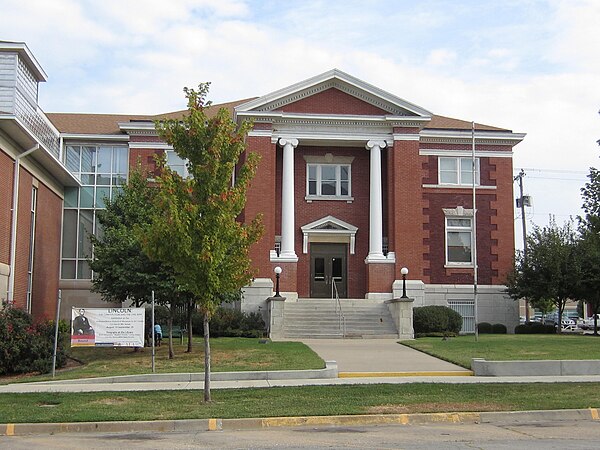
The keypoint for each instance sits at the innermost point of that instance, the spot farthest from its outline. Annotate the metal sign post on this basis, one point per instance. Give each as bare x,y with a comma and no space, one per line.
153,347
56,333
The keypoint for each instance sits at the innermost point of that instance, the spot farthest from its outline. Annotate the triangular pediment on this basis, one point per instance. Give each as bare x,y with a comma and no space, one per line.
329,223
335,93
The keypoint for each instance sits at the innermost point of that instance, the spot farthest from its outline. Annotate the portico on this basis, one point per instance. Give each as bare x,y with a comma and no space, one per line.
330,160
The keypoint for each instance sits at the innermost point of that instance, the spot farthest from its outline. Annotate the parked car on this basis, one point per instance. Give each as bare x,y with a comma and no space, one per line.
588,324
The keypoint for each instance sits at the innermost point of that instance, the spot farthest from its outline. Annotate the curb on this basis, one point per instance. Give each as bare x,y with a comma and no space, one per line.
499,418
457,373
330,371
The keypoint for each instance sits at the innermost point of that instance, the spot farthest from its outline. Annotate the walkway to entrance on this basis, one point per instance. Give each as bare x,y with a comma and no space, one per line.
378,356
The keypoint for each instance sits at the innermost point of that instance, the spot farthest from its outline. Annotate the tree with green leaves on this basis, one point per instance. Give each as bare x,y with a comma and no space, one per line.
552,269
194,226
122,271
590,244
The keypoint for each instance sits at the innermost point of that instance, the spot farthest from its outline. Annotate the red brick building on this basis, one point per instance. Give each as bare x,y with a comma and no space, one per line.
354,184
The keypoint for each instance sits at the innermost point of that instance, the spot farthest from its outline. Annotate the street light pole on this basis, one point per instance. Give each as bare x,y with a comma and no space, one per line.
404,272
277,271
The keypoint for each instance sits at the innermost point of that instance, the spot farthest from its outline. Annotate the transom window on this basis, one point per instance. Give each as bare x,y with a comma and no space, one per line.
328,180
459,248
458,171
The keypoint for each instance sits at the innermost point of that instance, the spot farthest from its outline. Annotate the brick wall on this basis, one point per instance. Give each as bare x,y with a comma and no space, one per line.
495,227
333,101
46,253
410,236
261,199
23,230
355,213
503,236
6,188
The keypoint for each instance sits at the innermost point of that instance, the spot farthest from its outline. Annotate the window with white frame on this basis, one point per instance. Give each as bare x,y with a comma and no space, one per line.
457,171
459,248
328,180
177,164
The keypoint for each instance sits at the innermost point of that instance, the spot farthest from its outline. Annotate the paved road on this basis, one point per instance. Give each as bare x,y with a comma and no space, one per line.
377,355
541,435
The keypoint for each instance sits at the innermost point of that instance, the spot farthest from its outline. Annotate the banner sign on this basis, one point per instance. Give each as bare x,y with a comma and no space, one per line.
107,327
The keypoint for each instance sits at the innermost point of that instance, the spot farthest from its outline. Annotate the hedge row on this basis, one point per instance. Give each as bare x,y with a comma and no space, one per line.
226,322
535,328
488,328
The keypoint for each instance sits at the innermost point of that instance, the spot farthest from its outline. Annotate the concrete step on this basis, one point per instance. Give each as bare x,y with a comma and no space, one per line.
319,318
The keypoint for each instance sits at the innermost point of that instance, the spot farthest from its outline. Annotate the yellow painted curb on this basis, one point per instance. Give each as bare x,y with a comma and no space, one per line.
465,373
594,413
362,419
212,425
10,429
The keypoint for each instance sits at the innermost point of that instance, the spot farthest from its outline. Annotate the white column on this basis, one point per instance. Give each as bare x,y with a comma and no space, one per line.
287,199
375,203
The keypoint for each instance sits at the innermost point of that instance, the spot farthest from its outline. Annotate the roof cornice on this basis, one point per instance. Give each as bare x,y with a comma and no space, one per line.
94,137
337,79
466,137
347,119
23,51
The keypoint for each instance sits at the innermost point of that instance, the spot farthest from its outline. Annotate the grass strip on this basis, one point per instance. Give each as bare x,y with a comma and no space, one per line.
509,347
295,401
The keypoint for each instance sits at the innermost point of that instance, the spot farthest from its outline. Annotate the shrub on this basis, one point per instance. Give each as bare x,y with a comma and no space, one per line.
27,346
229,322
499,328
484,328
436,319
534,328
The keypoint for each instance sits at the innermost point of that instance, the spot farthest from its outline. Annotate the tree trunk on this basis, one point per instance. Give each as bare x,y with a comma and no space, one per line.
561,307
190,310
171,314
206,359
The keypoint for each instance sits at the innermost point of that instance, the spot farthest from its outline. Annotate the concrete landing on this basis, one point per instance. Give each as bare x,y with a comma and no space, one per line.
379,356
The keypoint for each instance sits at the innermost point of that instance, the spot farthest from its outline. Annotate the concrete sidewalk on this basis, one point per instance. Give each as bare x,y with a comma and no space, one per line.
99,386
379,357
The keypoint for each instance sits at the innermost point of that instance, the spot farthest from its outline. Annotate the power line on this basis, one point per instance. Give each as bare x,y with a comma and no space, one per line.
579,172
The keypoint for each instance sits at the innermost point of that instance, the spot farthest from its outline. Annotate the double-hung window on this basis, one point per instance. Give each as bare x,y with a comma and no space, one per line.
459,240
328,180
177,164
458,171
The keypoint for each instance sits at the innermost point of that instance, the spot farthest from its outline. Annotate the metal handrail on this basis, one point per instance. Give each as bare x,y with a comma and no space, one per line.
338,306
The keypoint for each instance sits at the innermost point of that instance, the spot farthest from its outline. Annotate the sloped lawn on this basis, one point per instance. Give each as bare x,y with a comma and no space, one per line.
227,355
509,347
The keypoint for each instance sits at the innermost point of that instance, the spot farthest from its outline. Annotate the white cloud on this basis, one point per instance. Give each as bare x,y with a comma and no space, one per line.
538,76
441,57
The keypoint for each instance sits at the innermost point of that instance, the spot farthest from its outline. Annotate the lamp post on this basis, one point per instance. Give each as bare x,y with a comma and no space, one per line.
277,271
404,272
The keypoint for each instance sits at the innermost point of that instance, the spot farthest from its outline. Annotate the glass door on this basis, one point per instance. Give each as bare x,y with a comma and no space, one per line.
328,265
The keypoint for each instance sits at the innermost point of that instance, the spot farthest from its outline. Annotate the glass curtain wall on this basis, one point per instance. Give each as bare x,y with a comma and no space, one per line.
102,170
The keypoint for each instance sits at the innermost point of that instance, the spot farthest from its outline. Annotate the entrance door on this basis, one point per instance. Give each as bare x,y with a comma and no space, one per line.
328,264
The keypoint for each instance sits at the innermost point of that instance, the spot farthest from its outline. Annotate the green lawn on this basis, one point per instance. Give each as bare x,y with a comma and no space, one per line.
504,347
295,401
227,355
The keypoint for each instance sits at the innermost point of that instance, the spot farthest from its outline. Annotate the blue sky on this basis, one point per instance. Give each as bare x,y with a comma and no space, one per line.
531,66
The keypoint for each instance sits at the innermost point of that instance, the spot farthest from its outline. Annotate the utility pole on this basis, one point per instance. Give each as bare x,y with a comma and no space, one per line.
521,203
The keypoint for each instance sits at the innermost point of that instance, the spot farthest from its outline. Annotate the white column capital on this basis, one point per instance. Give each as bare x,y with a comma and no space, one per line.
375,143
288,141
